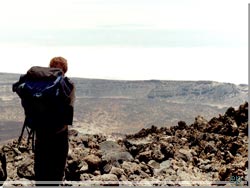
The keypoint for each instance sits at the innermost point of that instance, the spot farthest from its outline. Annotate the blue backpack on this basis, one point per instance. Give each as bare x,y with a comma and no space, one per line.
45,96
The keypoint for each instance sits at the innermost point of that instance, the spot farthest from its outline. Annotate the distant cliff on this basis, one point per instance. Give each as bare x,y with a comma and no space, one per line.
179,91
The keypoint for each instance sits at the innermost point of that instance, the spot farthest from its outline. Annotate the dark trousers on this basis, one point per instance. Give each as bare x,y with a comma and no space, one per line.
51,152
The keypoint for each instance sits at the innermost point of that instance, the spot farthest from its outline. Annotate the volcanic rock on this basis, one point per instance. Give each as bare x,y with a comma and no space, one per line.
26,169
198,154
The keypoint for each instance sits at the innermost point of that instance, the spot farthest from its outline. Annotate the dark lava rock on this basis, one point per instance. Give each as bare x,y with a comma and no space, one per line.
205,151
113,155
26,169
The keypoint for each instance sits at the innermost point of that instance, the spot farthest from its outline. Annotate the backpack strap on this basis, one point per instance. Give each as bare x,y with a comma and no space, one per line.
31,135
20,137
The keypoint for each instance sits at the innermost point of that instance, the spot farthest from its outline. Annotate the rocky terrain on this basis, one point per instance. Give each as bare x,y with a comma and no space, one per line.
118,107
213,152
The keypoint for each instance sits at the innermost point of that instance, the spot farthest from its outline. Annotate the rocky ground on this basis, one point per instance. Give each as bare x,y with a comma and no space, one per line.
209,153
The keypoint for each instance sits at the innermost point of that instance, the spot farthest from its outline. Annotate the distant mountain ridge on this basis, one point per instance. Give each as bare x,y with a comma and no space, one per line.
114,106
182,91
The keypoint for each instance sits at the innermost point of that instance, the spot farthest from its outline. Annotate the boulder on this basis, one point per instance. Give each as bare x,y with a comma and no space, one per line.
107,180
131,168
119,172
185,154
113,155
26,169
93,162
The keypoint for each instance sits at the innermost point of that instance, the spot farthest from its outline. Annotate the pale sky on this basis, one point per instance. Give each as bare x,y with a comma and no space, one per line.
128,39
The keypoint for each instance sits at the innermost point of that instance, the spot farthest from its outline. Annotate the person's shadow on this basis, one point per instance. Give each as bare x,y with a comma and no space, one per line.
3,170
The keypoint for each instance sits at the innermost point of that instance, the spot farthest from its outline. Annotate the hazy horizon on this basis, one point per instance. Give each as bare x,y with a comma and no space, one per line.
128,40
134,80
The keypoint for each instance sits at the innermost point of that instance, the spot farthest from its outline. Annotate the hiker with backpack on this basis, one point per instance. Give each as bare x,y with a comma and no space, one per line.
47,97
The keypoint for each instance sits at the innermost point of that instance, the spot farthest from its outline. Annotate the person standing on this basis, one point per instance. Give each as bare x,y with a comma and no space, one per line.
51,145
